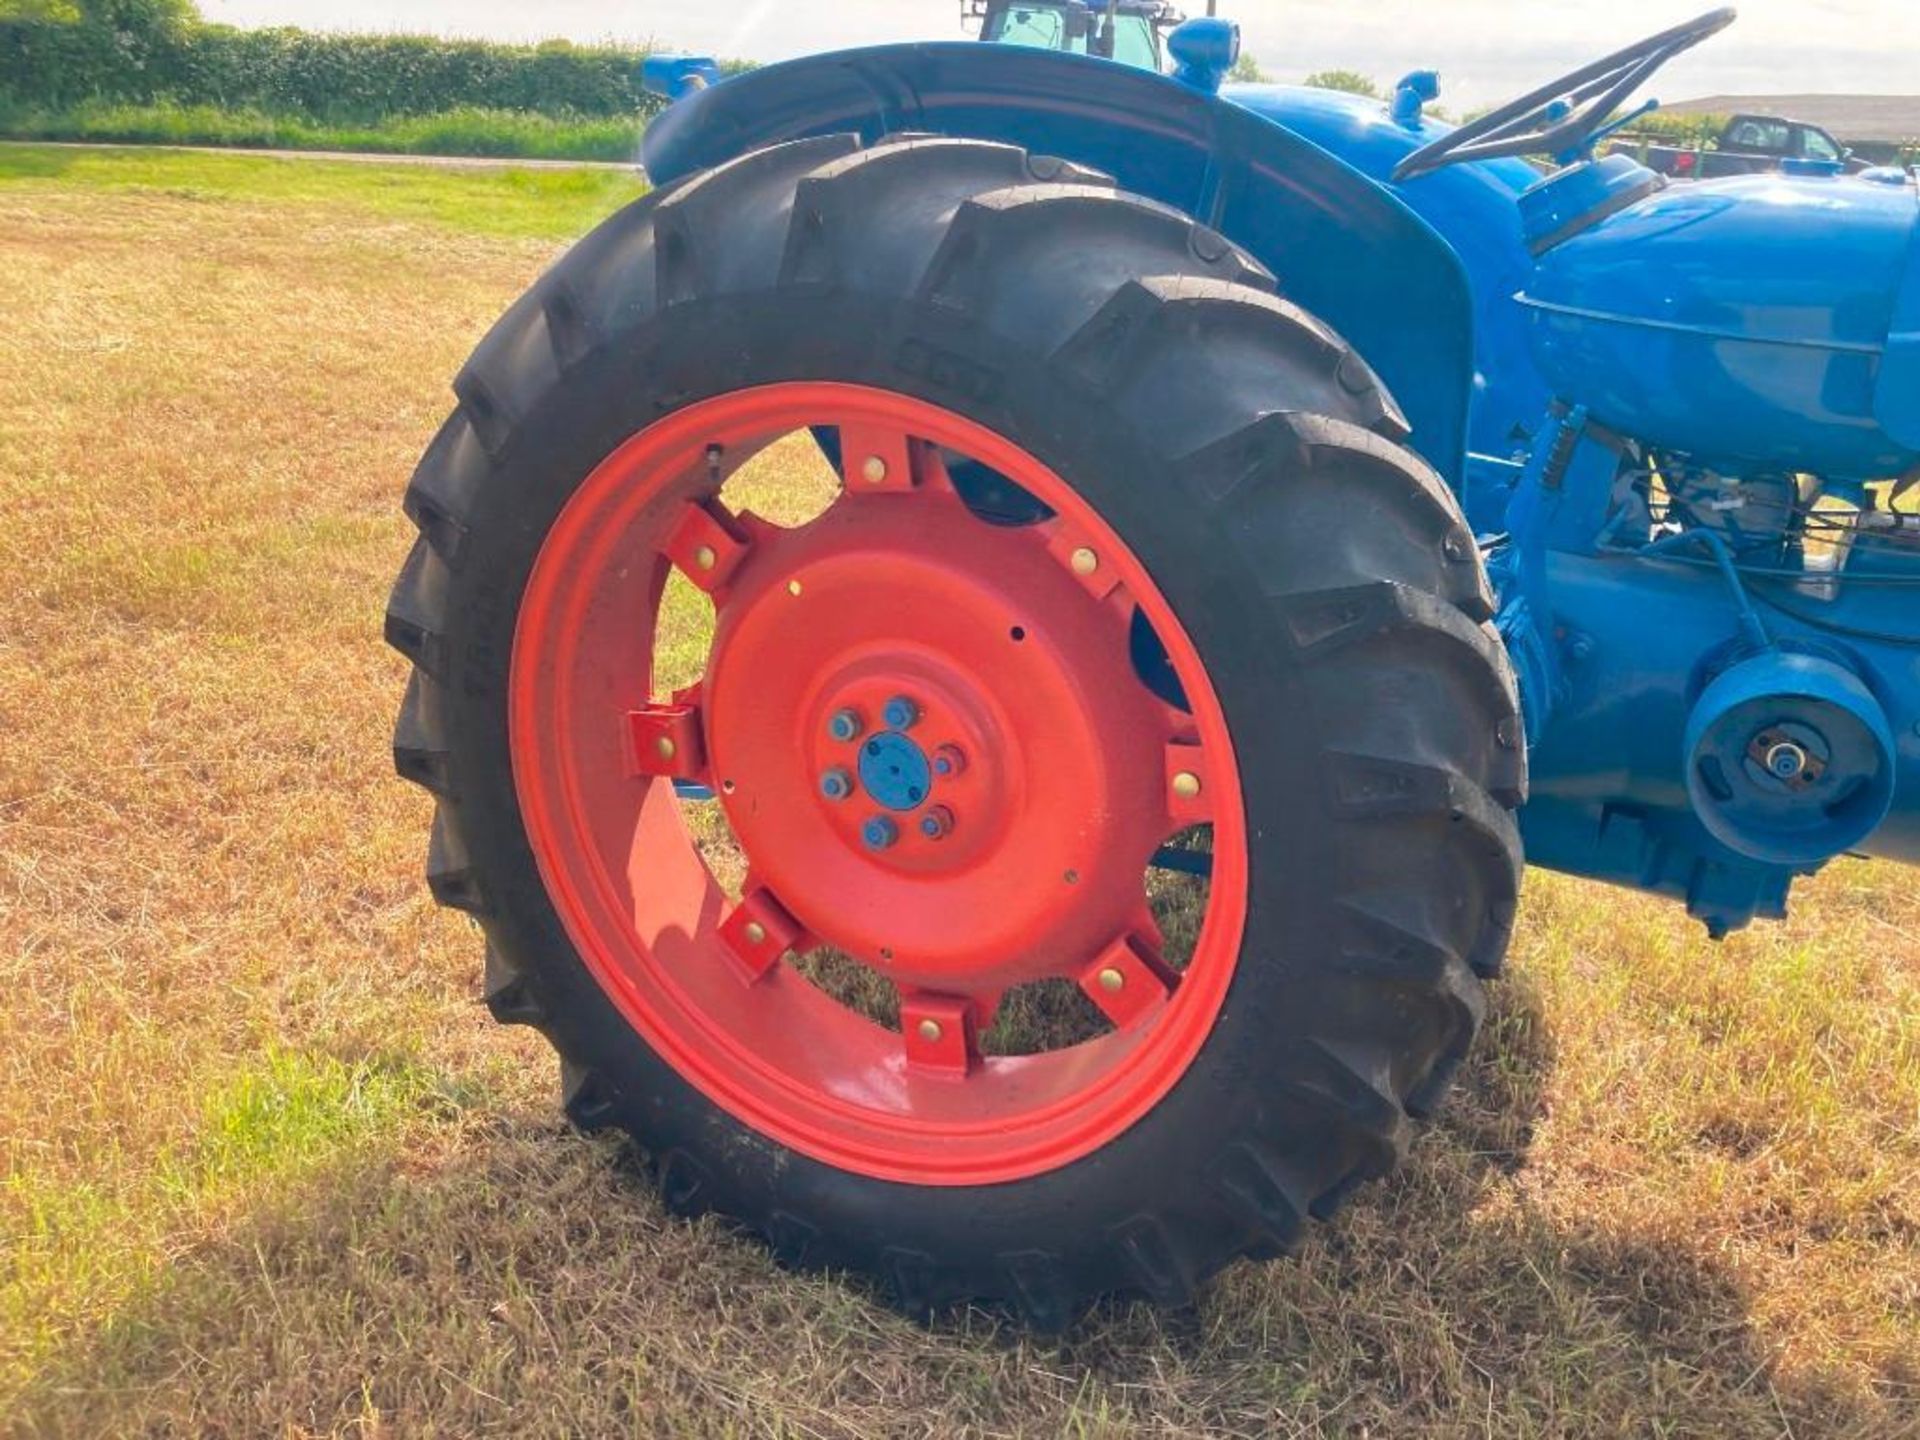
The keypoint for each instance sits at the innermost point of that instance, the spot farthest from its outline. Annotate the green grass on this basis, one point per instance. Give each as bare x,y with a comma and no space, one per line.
283,1116
540,204
267,1168
473,132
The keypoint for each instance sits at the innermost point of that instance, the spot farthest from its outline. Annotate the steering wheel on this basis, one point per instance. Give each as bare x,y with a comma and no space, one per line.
1566,116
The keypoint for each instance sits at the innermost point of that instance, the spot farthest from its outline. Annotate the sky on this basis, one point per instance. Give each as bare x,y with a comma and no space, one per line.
1485,50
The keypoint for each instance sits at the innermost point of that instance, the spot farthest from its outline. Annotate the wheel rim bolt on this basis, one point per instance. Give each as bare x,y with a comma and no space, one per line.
879,832
930,1031
845,725
836,784
705,557
948,761
1084,561
1186,785
900,713
1112,981
937,823
873,470
755,932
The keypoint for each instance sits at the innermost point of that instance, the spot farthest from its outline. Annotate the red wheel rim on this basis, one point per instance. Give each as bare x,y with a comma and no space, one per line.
1019,803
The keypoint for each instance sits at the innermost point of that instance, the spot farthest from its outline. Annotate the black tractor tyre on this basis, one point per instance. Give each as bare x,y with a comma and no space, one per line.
1251,460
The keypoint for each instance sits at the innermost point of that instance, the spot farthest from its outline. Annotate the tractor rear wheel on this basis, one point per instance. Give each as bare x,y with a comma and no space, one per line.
1125,552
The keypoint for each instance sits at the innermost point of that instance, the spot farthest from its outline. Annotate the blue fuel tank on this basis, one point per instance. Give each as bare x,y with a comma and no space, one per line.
1758,323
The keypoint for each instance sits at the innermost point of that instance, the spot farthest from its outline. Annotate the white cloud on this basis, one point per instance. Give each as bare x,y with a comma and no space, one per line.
1485,49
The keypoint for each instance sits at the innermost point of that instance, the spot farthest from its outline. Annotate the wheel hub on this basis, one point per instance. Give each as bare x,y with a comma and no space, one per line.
895,771
922,639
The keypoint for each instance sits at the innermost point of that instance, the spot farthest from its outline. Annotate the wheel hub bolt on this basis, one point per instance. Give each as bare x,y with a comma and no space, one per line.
836,784
1787,760
1084,561
937,823
900,713
1186,785
930,1031
845,724
755,932
878,833
1112,981
948,760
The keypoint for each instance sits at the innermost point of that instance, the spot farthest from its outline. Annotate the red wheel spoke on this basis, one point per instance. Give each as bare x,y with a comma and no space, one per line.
1177,723
1146,931
666,740
986,1009
1189,789
881,461
939,1033
758,933
707,544
875,461
1128,980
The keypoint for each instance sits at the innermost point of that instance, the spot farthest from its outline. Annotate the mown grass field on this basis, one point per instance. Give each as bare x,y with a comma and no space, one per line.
270,1171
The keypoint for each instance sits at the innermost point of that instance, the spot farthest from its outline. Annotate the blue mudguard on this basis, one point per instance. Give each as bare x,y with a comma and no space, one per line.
1342,246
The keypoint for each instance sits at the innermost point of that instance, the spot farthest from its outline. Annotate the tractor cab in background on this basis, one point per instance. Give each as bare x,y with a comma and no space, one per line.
1127,31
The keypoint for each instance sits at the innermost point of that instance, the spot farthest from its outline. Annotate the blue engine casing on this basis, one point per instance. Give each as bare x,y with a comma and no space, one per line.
1735,335
1746,322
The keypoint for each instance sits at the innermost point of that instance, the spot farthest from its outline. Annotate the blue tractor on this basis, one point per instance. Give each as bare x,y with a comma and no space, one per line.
1128,31
1249,522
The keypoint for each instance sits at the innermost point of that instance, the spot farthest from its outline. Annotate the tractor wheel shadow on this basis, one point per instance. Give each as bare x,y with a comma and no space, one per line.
1447,1296
502,1275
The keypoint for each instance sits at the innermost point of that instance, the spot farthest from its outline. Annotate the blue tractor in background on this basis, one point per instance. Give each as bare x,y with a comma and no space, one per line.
1259,517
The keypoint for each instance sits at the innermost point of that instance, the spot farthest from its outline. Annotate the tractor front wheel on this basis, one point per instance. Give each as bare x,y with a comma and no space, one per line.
1125,566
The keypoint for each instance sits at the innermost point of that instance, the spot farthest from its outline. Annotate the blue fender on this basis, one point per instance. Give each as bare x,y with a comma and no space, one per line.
1476,206
1342,246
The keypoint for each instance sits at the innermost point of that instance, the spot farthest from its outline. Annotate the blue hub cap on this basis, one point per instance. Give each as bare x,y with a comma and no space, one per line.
895,771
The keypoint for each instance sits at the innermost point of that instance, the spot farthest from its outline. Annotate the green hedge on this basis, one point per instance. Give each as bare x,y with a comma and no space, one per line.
1664,127
333,79
506,134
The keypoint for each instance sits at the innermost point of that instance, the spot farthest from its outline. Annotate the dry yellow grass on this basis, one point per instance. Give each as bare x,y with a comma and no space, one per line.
269,1170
